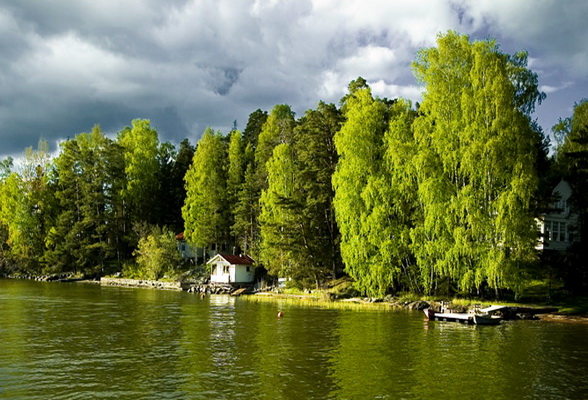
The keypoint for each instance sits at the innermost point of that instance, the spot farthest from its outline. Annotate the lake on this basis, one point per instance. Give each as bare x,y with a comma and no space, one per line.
82,341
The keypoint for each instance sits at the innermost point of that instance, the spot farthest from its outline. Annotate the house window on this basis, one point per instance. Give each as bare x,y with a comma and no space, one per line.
556,231
547,234
248,268
226,269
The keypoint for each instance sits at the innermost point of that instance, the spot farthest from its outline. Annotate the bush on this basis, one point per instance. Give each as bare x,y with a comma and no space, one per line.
157,255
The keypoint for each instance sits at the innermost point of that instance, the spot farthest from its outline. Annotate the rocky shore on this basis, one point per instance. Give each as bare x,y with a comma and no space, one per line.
141,283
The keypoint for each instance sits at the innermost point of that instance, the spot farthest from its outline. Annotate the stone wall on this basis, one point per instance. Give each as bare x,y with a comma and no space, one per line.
141,283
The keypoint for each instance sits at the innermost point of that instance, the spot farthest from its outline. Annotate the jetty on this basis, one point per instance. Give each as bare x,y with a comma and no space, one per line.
484,316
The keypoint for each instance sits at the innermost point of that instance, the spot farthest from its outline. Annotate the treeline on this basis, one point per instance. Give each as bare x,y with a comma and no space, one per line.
86,210
439,197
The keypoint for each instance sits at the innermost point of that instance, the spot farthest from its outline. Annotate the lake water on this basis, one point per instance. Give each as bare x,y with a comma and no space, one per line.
79,341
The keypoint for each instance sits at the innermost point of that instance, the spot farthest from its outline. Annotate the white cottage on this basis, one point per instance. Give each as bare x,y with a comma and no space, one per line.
231,269
558,227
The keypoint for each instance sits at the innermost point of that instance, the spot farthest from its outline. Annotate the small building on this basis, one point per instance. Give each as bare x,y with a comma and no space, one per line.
558,228
192,252
187,250
231,269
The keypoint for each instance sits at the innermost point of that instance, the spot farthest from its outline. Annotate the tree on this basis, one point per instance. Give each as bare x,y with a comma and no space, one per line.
359,145
397,211
246,210
86,231
5,170
177,194
299,236
6,167
163,213
205,211
24,200
236,167
280,217
254,126
279,128
141,150
157,254
572,165
476,151
317,159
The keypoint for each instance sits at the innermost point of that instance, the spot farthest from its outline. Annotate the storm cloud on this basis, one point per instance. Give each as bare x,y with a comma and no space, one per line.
189,64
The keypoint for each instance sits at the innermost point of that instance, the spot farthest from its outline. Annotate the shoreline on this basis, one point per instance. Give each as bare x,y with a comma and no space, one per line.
417,305
324,300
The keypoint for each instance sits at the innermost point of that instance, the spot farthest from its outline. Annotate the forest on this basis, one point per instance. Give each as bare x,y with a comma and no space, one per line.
438,197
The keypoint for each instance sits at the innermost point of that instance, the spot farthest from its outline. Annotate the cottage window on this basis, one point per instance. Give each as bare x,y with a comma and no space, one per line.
248,268
226,269
547,233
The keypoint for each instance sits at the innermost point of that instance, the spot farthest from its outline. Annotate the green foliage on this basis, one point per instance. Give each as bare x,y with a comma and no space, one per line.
246,211
141,151
88,219
235,171
5,167
254,126
279,128
317,160
439,199
299,237
24,203
572,164
445,196
157,255
280,216
359,144
172,189
206,209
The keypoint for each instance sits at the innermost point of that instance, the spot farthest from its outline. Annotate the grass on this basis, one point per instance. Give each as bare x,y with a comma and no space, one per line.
318,302
537,293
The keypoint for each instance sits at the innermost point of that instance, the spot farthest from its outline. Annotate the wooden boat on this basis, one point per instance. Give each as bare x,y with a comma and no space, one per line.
466,318
485,319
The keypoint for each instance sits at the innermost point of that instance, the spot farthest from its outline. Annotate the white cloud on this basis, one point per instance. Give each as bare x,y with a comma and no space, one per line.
70,63
391,91
552,89
556,29
209,62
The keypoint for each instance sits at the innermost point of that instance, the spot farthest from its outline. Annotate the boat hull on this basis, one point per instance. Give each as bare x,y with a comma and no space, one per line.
464,318
485,320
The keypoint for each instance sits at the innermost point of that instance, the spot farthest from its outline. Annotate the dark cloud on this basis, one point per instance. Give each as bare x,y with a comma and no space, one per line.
187,64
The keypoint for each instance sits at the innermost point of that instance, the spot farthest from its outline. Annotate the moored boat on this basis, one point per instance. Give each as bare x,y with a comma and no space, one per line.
485,319
468,318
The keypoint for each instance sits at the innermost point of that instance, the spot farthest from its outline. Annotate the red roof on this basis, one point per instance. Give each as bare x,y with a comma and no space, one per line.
180,236
242,259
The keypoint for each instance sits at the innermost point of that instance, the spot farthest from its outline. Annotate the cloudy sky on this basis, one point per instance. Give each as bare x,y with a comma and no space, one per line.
188,64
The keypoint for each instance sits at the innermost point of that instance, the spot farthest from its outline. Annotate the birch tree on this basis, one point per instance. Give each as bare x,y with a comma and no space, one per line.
475,164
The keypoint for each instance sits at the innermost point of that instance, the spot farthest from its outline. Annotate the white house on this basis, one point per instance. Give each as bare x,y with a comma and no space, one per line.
191,251
187,250
558,227
231,269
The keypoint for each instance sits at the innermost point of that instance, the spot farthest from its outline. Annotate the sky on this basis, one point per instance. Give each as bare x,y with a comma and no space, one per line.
188,64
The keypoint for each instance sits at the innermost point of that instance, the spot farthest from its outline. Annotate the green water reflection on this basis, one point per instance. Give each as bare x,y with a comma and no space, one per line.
72,341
